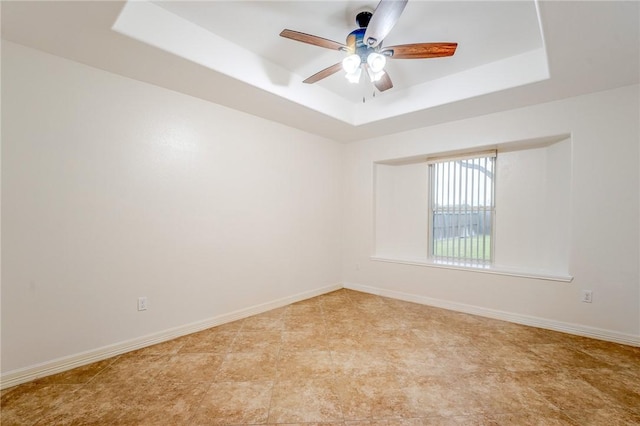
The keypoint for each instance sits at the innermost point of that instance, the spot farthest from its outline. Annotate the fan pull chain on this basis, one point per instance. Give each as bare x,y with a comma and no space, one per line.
364,99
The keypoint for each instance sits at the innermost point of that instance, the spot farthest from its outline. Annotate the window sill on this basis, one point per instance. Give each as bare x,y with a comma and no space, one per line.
489,269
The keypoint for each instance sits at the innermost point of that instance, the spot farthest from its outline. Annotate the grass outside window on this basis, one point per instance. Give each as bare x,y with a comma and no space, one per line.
476,248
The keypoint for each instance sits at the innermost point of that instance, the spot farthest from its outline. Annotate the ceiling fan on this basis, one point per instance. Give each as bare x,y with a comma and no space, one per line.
364,46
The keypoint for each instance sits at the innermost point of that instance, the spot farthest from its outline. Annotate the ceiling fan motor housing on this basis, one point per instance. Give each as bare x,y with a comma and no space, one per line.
363,18
355,41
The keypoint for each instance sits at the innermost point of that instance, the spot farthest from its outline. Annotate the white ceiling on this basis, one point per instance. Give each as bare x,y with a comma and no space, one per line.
510,54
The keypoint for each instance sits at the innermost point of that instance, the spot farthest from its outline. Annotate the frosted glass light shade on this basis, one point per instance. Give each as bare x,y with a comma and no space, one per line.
354,77
351,63
375,76
376,62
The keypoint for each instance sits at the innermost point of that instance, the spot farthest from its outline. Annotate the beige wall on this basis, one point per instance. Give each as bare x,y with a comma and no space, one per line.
114,189
604,210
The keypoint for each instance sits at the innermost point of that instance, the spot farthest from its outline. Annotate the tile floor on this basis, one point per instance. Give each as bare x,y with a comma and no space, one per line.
347,358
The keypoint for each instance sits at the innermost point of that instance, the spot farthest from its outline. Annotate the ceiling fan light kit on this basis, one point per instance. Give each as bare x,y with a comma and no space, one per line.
364,46
353,65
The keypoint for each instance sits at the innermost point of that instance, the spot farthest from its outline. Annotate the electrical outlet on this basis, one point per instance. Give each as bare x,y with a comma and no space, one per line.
142,303
586,296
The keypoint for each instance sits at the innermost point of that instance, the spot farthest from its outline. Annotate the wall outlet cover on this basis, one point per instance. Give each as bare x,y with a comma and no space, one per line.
142,303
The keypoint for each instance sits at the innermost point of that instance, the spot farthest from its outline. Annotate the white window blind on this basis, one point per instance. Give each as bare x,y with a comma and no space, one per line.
462,209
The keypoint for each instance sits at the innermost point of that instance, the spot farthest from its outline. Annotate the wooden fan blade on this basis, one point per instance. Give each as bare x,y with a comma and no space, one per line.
384,18
311,39
324,73
384,83
420,50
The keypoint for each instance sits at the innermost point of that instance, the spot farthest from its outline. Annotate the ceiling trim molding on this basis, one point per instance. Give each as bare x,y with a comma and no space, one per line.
160,28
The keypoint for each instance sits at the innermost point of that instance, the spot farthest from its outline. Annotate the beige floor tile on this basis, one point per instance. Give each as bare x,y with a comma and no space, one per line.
277,313
617,356
302,365
130,368
247,366
510,357
304,340
352,322
384,340
163,403
309,424
446,360
170,347
230,327
208,341
446,396
257,341
235,403
373,397
346,343
421,363
559,355
304,323
78,375
263,323
191,368
354,362
26,404
332,304
304,401
305,308
344,328
479,420
506,393
524,336
543,418
435,334
94,404
604,416
566,390
622,387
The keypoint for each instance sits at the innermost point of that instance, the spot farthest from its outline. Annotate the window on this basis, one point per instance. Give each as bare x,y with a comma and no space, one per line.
438,209
462,209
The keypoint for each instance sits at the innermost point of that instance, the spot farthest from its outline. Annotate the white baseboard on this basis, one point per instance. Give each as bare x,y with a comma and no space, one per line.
23,375
576,329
